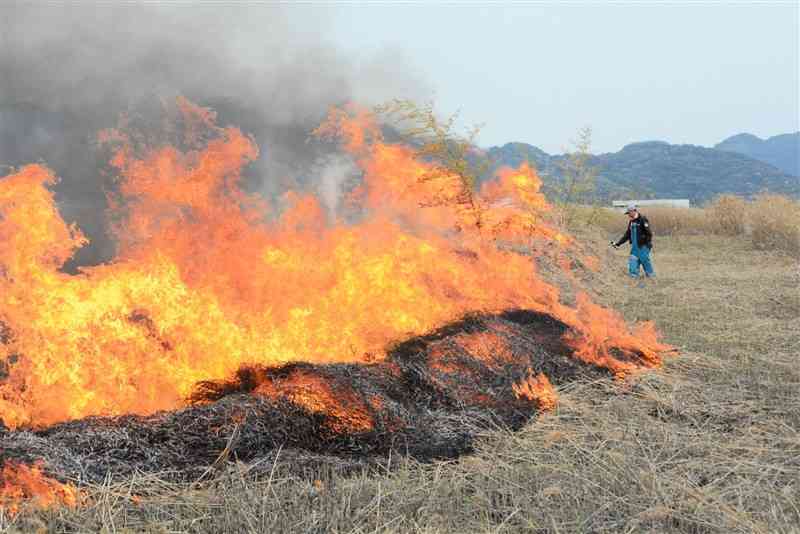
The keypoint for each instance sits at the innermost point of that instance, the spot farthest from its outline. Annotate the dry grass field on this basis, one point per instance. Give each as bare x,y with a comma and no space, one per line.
710,443
768,222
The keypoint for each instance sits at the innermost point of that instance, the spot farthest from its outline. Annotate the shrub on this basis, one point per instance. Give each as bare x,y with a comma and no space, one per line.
771,221
574,216
775,223
727,215
664,220
676,221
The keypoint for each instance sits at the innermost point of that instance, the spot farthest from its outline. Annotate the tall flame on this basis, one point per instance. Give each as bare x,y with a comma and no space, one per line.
207,278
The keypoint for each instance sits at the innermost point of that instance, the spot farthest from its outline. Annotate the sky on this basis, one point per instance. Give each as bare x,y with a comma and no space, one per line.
535,72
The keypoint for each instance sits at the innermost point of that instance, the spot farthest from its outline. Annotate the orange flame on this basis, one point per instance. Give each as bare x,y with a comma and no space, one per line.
204,281
538,389
346,411
20,483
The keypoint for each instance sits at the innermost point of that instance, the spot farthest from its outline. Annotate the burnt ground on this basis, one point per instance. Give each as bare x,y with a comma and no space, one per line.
429,399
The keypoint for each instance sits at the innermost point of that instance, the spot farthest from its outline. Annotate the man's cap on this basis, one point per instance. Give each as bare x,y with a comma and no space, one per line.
630,208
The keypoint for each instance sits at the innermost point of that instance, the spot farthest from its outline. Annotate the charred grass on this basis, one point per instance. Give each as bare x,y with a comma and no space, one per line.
710,443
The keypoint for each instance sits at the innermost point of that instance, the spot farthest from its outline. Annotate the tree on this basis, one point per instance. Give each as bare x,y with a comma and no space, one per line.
577,181
438,142
577,177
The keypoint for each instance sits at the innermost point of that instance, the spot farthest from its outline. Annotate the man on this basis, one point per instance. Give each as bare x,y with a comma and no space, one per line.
641,238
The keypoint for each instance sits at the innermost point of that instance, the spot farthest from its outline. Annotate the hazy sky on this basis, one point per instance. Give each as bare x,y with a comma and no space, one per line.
537,72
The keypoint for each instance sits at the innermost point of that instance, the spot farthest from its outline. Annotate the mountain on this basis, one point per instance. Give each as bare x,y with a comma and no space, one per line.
781,151
693,172
661,170
514,154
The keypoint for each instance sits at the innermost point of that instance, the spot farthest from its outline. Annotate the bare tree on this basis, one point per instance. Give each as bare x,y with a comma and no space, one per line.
438,142
577,180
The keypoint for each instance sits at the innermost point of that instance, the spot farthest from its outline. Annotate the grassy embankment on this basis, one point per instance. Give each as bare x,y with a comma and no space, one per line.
710,443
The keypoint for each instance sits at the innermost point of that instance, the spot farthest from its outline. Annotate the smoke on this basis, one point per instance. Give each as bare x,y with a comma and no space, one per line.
336,171
68,70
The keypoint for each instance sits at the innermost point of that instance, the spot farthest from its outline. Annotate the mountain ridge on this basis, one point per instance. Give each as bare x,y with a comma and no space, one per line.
781,151
657,168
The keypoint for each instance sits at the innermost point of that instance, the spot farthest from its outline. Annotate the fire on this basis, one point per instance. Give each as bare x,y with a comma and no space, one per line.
208,277
539,389
344,408
20,483
486,347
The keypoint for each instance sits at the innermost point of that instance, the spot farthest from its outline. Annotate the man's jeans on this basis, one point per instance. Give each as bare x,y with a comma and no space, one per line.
640,257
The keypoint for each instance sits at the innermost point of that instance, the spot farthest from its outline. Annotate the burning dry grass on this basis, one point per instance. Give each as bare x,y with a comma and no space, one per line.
416,400
209,277
27,484
98,365
709,444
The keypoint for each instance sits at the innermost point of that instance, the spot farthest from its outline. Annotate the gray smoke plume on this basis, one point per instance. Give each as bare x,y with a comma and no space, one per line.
67,70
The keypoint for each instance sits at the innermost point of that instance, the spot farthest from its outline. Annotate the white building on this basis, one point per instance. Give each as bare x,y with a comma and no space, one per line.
620,205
